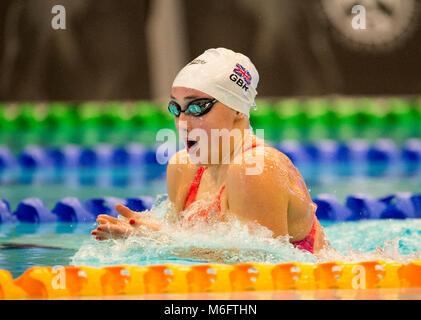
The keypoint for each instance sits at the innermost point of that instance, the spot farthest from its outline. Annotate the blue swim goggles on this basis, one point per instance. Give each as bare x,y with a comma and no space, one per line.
196,108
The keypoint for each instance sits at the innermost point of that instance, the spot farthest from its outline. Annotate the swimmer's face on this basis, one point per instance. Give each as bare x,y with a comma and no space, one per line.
219,117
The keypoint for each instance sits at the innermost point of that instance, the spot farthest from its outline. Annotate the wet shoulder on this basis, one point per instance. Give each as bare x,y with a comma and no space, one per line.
281,162
263,159
261,167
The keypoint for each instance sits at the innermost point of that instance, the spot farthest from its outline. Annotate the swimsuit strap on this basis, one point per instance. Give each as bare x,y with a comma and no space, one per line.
254,145
191,197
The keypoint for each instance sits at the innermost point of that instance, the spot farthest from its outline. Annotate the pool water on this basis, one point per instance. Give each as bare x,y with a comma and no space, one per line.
24,245
59,244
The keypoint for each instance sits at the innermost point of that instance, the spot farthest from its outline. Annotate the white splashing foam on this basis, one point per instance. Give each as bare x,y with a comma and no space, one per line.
224,242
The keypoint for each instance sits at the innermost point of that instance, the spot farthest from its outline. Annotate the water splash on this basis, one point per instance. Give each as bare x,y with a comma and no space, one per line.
232,241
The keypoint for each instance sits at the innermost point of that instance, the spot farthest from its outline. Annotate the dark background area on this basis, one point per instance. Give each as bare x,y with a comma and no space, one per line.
103,54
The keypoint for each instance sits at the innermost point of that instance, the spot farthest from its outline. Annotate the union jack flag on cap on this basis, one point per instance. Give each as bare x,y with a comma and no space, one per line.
242,72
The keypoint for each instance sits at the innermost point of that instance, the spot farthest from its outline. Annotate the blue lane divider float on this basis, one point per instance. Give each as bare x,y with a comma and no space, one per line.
401,206
412,150
33,210
360,206
329,208
140,204
416,201
364,207
106,205
72,155
356,207
65,156
382,150
323,150
103,206
72,210
34,157
5,214
294,150
355,150
130,155
6,158
100,155
397,206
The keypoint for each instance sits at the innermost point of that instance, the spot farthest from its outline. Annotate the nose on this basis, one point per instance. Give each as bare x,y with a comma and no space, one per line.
183,123
184,117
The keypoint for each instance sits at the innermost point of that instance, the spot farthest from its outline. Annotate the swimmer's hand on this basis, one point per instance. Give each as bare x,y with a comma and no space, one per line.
113,228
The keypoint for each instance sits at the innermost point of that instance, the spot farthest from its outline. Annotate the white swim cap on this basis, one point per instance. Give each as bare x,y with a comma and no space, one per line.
229,77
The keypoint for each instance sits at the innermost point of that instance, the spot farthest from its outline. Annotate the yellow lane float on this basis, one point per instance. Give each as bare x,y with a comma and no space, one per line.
128,280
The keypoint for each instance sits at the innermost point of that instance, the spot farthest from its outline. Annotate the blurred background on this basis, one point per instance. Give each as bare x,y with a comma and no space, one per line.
76,104
132,49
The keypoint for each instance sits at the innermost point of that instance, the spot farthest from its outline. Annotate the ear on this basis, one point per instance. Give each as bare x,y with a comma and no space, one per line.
239,115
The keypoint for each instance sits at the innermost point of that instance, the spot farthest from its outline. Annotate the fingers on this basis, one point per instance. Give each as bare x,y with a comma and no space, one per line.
99,234
103,218
111,231
113,228
124,211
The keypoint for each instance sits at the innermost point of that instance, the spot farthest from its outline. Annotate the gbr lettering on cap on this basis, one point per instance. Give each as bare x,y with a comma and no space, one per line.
241,76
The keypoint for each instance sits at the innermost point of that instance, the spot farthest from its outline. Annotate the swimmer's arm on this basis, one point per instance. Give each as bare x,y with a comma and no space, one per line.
179,167
262,198
172,178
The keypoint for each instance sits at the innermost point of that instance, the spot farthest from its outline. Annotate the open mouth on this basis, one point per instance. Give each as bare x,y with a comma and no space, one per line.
191,144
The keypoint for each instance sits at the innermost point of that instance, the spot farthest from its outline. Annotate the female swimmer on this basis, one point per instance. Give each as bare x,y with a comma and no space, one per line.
214,93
